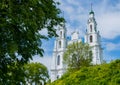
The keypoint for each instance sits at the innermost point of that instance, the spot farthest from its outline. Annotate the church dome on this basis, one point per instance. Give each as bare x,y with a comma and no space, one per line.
91,12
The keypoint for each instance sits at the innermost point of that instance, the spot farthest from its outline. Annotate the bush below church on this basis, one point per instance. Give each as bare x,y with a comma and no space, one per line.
105,74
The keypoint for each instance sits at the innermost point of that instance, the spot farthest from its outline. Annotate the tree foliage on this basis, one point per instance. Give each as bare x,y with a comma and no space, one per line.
20,24
36,73
77,55
105,74
14,75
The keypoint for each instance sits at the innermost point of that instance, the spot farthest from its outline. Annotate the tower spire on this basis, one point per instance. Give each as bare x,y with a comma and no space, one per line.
63,23
91,11
63,14
91,7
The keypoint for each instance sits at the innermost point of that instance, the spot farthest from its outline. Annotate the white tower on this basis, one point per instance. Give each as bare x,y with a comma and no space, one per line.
92,37
57,67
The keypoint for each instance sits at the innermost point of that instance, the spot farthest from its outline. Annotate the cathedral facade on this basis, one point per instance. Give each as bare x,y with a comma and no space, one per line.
92,37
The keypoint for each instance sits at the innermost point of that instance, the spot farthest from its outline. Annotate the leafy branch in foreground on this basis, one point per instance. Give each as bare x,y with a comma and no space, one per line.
21,22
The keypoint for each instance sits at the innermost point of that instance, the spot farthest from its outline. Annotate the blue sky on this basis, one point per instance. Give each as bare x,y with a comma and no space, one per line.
107,14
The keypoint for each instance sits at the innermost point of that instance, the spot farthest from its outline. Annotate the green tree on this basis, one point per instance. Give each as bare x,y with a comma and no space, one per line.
77,55
36,73
20,24
15,74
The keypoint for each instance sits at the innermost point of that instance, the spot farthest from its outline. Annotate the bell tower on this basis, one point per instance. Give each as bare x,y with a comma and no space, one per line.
60,44
93,38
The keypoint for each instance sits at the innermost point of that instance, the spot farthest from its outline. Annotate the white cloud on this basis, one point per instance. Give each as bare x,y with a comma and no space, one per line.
118,6
68,9
109,24
69,29
107,16
112,46
46,60
73,2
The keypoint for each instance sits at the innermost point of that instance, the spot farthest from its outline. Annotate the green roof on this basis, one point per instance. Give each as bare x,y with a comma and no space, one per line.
91,12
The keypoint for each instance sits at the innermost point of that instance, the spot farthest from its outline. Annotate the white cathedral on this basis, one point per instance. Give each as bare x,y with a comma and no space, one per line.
92,37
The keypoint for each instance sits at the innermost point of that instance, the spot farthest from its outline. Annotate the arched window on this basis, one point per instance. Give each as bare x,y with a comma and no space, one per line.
91,38
60,33
64,34
58,60
90,28
57,76
59,44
